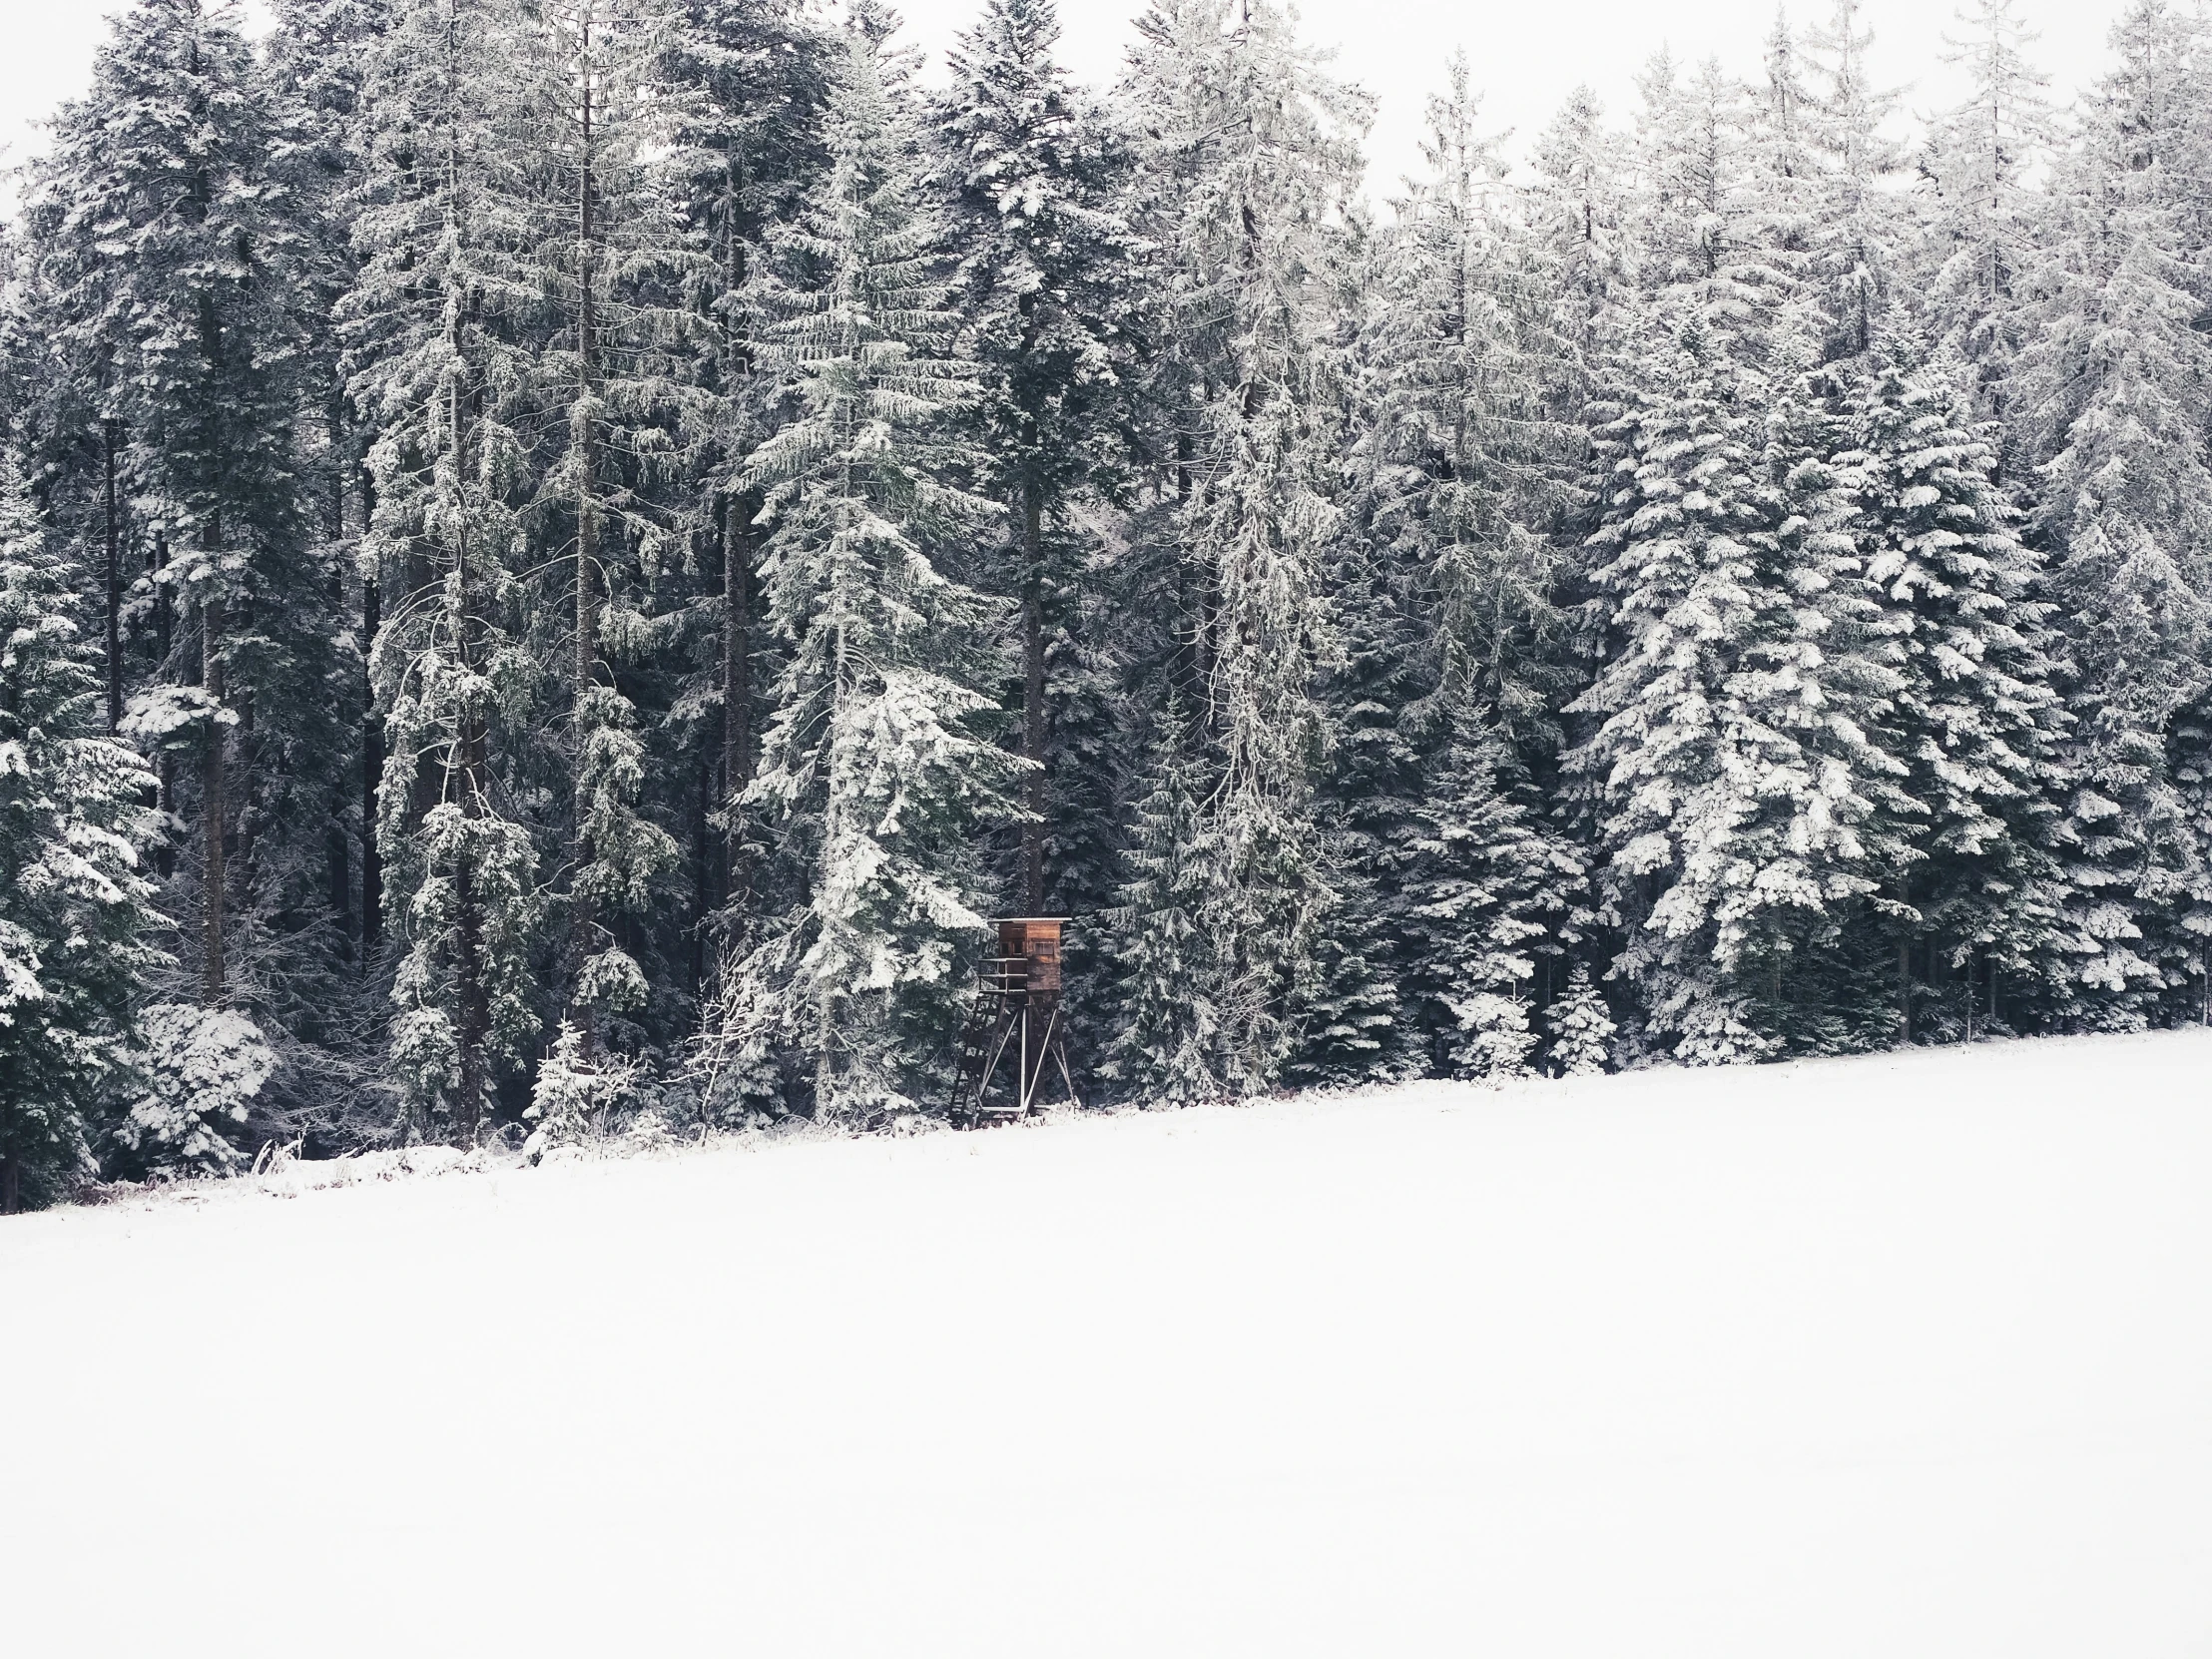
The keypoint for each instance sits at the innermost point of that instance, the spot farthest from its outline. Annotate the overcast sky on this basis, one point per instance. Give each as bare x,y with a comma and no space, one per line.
1526,54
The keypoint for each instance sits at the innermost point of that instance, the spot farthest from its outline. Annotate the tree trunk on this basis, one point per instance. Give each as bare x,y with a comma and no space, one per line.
1032,692
372,744
163,613
737,562
464,782
703,878
582,922
473,1014
1190,650
114,589
11,1184
213,809
1905,991
338,855
737,680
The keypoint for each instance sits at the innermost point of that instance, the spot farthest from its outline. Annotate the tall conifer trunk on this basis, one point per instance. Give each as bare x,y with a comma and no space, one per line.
472,1021
114,585
737,565
213,804
737,677
1032,682
373,741
586,437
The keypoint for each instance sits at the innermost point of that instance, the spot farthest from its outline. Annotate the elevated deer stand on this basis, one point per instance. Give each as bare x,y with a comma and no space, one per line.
1016,1018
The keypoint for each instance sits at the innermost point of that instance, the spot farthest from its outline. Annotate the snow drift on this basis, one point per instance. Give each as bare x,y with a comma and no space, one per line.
1903,1356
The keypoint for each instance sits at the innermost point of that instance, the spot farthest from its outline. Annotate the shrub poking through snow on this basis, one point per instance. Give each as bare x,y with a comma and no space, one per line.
574,1097
204,1068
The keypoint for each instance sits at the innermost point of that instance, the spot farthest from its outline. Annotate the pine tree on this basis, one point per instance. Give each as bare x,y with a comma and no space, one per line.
1463,468
171,252
205,1070
1978,158
2112,395
1252,151
1041,286
319,53
613,380
1974,718
1746,798
1165,1050
1854,244
1577,209
74,905
574,1096
1356,1023
747,80
437,328
1581,1029
1472,881
873,768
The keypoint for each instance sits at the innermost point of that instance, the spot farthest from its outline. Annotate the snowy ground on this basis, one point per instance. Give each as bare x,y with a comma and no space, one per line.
1891,1357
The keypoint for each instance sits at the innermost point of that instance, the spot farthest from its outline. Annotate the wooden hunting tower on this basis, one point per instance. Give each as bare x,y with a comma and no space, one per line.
1016,1017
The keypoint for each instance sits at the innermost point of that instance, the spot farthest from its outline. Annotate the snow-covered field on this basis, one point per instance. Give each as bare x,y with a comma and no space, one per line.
1888,1357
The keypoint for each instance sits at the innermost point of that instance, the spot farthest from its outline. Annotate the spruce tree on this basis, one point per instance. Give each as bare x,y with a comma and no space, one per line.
1977,160
75,905
1855,235
1576,204
1581,1028
612,382
1746,800
1463,468
2112,400
1041,286
876,771
173,249
437,328
1974,718
747,80
1164,1051
1252,152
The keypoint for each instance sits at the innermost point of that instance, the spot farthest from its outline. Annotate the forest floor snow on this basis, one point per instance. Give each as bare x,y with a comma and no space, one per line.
1901,1356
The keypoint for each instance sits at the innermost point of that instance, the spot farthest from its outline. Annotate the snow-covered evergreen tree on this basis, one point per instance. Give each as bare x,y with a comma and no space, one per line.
75,907
1464,467
1973,719
1746,798
1577,206
1044,266
1581,1028
875,769
2114,399
1855,237
1251,151
611,384
745,81
1474,882
574,1096
172,249
1977,160
205,1070
1165,1050
433,325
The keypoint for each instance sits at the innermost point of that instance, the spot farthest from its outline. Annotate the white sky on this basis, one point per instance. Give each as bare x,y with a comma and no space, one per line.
1526,54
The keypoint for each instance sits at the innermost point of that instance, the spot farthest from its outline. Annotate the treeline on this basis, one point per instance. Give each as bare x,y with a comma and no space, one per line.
558,556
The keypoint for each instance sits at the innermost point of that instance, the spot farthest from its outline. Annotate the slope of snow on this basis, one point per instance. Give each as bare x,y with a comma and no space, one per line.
1896,1356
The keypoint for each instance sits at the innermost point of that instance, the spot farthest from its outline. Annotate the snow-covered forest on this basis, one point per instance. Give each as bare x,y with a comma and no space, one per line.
559,557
